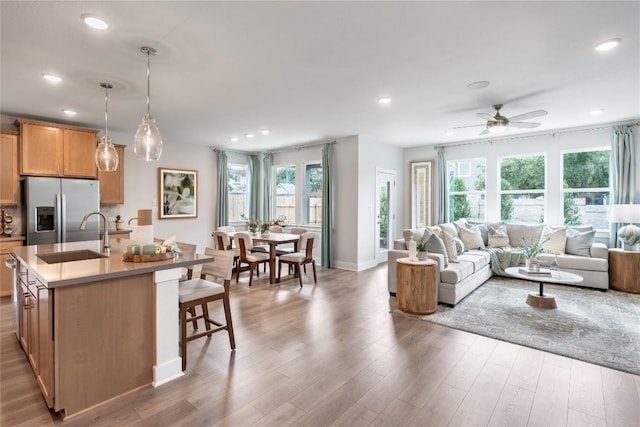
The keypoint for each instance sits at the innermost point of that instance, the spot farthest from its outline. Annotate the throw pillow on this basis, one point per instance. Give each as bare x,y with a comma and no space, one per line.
498,238
459,246
580,243
417,234
436,245
449,245
471,237
450,228
553,240
521,235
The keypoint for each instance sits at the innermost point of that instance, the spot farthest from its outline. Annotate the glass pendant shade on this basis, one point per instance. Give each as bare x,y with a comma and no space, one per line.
106,155
148,143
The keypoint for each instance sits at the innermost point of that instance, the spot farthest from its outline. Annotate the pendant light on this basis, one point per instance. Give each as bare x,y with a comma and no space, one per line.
148,143
106,154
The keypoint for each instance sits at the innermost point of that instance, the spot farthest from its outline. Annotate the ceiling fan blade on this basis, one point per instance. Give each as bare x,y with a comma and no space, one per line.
529,115
524,124
485,116
484,132
470,126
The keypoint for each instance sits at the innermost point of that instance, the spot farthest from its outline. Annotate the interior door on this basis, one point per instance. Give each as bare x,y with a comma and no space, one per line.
385,212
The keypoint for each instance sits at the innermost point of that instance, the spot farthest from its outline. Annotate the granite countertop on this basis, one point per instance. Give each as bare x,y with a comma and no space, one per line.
91,270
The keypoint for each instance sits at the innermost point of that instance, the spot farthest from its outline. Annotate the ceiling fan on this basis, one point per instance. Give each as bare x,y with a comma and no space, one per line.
499,123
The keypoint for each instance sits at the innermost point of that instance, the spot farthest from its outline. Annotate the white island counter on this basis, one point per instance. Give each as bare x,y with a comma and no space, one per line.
98,328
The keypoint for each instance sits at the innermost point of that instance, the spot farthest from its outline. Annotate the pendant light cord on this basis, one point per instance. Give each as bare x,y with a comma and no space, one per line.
148,83
106,111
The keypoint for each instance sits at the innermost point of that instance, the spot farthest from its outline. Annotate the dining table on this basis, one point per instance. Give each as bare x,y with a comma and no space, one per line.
273,240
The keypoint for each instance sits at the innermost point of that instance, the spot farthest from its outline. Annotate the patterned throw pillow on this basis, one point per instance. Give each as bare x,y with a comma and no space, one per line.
553,240
498,238
471,236
450,245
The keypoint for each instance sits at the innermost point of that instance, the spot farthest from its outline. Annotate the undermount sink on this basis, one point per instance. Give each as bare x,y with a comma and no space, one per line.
68,256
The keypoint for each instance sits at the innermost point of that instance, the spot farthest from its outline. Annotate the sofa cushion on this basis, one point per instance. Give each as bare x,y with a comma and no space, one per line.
416,233
521,235
470,236
553,239
579,243
498,237
575,262
456,272
478,258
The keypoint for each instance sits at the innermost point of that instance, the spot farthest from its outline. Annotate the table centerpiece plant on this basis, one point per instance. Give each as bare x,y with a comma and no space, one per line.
531,250
264,228
252,225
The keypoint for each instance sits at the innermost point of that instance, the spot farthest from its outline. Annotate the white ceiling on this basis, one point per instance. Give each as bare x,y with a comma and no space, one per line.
312,71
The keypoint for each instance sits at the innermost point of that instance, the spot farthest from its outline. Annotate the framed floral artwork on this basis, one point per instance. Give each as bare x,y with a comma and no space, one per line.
178,193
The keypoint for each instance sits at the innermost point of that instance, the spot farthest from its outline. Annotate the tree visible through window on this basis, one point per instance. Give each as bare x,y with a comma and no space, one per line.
467,190
522,189
313,193
286,192
585,182
238,185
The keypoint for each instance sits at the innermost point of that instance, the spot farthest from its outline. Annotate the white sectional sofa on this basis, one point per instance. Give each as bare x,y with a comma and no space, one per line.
473,266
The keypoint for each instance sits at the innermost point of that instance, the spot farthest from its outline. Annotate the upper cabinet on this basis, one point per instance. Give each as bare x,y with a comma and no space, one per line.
48,149
112,183
8,168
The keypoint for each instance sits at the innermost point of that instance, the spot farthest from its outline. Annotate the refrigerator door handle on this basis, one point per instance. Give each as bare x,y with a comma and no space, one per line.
63,218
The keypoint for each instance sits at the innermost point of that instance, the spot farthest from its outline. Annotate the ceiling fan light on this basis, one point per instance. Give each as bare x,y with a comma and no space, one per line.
607,44
495,127
147,142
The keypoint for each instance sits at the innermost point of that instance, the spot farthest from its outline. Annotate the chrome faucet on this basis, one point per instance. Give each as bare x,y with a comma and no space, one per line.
105,237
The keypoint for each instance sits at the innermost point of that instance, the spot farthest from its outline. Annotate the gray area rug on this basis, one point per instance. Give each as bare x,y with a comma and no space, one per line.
590,325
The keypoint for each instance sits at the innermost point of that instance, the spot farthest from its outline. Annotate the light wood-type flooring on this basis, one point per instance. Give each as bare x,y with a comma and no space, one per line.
333,355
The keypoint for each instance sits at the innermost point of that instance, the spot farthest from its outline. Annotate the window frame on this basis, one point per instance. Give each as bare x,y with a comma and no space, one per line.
274,169
543,192
244,216
453,164
306,195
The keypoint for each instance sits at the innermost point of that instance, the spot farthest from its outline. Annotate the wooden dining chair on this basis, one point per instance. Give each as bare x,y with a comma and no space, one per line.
244,242
200,292
224,243
301,258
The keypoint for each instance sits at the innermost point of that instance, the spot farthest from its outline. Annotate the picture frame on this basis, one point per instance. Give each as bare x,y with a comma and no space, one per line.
178,196
421,193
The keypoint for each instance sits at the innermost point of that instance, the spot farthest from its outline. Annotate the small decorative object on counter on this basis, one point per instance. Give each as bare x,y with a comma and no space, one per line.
144,230
119,222
423,254
555,267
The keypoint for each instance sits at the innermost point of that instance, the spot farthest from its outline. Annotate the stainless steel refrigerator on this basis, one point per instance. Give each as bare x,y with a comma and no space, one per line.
54,207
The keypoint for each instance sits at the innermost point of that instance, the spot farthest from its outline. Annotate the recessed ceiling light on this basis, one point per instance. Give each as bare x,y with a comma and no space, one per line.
596,111
94,22
249,135
384,100
265,131
451,132
478,85
607,44
69,112
233,139
51,78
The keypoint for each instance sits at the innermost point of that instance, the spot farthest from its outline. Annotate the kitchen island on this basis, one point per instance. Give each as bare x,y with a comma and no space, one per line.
97,328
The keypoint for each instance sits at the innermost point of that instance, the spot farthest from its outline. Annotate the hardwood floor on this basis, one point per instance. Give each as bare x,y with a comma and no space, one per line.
334,355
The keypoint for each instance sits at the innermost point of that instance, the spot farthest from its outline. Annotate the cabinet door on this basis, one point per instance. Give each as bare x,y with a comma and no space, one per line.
112,183
5,272
34,338
79,154
8,169
45,343
41,150
23,302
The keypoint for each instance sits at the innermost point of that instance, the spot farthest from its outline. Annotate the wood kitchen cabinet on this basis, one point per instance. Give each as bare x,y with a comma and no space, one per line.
112,183
5,272
49,149
9,168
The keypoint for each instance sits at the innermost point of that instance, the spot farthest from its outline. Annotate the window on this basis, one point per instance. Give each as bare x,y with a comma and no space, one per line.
286,192
466,190
522,189
313,193
585,187
238,179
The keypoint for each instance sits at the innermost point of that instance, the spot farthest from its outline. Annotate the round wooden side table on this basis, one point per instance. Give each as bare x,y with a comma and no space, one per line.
417,288
624,271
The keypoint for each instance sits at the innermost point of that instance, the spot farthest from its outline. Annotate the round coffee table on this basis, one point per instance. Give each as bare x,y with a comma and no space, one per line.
540,299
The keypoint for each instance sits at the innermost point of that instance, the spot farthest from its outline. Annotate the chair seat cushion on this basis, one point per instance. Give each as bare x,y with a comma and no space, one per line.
193,289
294,257
257,257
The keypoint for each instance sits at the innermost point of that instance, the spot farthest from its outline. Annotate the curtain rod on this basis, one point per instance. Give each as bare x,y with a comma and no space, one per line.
221,150
550,133
299,147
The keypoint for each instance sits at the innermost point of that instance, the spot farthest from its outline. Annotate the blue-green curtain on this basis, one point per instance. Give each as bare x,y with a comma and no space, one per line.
622,174
254,188
442,200
327,206
267,186
223,190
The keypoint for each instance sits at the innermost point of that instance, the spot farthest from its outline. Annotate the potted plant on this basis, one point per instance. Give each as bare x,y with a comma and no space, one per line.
531,250
252,225
264,228
119,222
421,247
